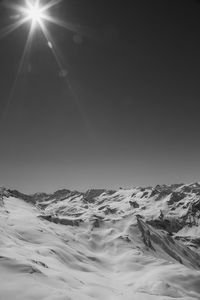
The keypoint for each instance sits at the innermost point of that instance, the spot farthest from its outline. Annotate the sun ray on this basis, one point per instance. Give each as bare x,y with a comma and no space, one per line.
16,7
55,51
20,67
49,39
50,4
85,31
12,27
29,4
38,15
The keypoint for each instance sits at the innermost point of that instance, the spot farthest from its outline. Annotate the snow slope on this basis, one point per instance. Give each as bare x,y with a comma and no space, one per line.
135,244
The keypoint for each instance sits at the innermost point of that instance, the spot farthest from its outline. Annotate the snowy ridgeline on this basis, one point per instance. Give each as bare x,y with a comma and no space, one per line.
141,243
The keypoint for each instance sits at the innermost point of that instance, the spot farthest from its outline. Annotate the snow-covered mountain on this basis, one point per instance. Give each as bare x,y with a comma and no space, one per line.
136,244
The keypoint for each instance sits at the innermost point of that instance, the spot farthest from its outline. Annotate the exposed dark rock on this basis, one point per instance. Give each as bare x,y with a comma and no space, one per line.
143,207
96,223
110,192
145,194
146,236
176,197
102,207
170,225
190,241
163,194
90,195
110,210
196,207
40,263
154,192
63,221
154,238
134,204
27,198
138,216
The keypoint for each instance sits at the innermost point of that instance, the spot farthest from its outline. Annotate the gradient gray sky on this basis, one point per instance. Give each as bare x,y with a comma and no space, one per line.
133,116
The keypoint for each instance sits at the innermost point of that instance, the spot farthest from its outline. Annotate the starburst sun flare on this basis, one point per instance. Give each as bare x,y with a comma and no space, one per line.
34,12
38,13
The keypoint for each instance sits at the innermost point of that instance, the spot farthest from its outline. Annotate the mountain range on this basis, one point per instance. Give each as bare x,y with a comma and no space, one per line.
134,244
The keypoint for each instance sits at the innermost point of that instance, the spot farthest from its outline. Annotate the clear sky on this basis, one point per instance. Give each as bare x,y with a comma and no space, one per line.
126,113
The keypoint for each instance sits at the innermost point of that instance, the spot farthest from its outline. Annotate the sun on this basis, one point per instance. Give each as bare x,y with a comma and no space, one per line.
34,12
38,14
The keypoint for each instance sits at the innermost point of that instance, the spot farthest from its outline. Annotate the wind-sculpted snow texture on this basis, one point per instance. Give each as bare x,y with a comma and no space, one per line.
135,244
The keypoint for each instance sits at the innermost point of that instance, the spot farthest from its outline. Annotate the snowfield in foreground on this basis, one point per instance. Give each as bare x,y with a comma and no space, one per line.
137,244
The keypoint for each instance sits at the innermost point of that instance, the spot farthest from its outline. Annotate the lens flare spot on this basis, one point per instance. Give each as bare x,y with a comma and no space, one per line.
50,45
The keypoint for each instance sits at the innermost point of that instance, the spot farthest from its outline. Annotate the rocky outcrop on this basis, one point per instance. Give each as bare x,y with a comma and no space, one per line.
171,225
25,197
62,221
90,195
134,204
176,197
156,240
